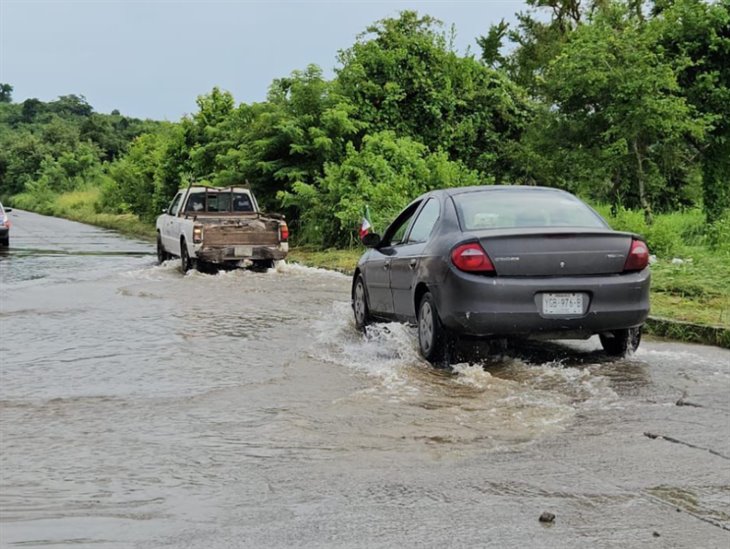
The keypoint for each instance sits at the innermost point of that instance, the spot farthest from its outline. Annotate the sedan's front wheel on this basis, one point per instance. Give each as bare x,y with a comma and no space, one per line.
360,304
621,342
434,341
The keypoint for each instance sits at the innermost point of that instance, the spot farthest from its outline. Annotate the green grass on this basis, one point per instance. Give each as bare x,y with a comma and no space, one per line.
697,290
81,206
342,260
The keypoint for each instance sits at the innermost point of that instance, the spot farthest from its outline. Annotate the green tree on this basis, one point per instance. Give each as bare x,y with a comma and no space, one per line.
540,33
619,92
137,181
699,32
386,173
6,93
401,75
289,138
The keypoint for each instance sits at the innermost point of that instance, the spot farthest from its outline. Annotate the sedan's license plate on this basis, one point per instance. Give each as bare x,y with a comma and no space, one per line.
243,251
562,304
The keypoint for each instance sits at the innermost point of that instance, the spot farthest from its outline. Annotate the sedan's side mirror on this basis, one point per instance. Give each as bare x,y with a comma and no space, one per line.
8,209
371,240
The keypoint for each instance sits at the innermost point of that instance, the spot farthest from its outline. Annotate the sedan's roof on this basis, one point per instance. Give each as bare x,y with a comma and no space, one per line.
496,188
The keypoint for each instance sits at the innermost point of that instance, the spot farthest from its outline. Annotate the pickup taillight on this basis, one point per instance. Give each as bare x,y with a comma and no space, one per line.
197,234
283,231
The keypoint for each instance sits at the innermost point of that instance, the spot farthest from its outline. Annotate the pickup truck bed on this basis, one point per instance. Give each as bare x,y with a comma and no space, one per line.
255,238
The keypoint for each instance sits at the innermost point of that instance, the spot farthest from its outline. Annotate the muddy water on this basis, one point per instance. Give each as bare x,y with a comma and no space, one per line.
141,407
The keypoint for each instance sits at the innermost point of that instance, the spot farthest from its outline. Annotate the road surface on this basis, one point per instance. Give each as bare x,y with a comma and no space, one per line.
143,408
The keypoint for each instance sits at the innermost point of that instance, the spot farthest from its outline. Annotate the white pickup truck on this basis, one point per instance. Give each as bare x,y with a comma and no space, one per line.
221,226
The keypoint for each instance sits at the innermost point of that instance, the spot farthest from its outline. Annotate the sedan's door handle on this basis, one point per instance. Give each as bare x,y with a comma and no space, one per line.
412,264
386,265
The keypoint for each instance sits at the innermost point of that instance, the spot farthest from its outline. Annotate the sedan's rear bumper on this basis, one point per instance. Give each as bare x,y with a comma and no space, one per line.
494,306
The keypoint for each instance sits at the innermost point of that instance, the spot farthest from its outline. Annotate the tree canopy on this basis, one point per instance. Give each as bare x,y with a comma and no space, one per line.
622,102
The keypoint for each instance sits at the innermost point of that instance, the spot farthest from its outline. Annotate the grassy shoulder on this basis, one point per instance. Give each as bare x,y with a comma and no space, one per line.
81,206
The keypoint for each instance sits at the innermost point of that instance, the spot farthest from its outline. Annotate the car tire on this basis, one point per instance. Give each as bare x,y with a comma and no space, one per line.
162,255
262,265
621,342
434,342
360,304
185,262
5,241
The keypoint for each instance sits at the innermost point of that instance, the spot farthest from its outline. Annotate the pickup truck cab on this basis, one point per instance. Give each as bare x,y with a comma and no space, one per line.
221,226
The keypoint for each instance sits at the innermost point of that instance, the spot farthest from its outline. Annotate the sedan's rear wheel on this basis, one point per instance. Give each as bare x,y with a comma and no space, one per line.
360,304
434,341
621,342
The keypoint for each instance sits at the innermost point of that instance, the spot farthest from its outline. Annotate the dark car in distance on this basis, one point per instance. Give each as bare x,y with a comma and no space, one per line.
504,261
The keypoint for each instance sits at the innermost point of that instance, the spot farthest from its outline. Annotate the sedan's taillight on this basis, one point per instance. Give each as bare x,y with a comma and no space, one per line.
283,231
471,258
638,257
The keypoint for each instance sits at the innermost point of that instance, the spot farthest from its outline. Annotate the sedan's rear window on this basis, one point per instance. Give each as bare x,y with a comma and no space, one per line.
523,208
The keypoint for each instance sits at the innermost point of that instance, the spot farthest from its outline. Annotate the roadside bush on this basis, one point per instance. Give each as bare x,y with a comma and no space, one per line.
623,219
37,197
671,234
385,174
77,203
664,237
718,234
111,198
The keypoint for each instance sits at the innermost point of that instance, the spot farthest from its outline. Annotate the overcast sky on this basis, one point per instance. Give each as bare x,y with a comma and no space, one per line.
151,59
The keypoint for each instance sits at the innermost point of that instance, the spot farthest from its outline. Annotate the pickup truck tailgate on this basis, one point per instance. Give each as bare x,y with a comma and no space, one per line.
240,233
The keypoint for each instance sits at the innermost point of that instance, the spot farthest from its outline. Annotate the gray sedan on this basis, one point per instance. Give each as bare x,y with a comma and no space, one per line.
504,261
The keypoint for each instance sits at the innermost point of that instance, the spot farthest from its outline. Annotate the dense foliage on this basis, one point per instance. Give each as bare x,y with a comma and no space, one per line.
622,102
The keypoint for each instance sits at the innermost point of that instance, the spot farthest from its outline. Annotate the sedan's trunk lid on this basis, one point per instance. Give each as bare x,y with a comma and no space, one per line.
556,252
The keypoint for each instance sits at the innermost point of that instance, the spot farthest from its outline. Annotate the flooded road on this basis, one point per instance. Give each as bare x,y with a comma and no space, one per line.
143,408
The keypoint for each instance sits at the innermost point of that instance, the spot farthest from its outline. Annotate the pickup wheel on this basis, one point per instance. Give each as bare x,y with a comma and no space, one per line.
162,255
262,264
185,262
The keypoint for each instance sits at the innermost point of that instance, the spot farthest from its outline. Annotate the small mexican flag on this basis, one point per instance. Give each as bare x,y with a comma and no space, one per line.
366,224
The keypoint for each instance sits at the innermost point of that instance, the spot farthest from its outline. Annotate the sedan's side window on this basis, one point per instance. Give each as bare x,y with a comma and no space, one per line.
396,233
426,221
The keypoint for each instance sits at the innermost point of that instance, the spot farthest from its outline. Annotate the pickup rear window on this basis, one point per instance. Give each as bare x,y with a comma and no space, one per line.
216,202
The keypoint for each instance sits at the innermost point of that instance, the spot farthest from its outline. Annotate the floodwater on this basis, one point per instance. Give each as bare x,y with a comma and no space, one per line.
143,408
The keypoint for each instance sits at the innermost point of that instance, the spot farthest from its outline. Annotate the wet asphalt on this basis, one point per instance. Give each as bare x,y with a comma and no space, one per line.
143,408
